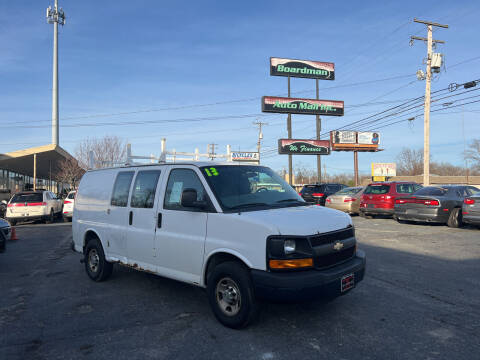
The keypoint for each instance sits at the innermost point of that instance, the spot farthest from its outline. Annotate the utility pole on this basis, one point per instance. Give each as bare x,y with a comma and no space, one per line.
260,136
318,128
426,113
55,16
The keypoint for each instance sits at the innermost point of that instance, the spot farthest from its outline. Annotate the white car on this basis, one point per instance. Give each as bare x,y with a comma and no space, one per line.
216,226
68,206
33,205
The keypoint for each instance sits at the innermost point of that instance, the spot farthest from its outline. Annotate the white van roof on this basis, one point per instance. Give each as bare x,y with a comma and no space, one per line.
193,163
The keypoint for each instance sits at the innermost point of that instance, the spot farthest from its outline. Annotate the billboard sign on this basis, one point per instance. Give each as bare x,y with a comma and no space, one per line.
343,140
277,104
344,137
303,147
384,169
368,138
245,156
302,68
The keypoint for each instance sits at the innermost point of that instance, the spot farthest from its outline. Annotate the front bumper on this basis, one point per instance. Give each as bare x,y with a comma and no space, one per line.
308,284
435,215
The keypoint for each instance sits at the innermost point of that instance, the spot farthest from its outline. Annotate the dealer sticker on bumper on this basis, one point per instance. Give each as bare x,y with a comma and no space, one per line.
347,282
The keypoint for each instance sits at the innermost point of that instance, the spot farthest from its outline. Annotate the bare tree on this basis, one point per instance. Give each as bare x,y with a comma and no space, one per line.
108,151
69,172
410,162
473,154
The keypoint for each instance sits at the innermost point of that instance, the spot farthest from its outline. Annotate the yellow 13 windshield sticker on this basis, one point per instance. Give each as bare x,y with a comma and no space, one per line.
211,171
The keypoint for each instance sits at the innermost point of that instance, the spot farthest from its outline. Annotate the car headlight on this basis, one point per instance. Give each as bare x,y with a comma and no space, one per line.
289,246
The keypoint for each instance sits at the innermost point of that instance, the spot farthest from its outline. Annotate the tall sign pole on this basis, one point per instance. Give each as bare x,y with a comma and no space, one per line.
289,133
302,69
55,16
318,128
426,113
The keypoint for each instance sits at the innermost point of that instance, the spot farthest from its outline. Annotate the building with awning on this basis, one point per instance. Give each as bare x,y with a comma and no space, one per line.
32,168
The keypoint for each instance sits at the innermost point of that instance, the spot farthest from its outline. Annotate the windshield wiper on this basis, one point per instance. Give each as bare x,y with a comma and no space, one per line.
289,200
241,206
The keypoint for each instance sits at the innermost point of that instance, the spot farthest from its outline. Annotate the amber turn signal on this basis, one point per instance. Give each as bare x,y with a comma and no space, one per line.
291,264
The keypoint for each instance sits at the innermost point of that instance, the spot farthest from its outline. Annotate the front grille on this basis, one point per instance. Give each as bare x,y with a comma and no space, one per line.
334,257
330,237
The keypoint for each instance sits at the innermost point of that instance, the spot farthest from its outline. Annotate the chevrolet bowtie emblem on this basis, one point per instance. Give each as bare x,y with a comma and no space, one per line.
338,246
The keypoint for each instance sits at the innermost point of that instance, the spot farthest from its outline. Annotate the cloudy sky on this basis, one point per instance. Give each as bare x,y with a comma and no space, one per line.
194,72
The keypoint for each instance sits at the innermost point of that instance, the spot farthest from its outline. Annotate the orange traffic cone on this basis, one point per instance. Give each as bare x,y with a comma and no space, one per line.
13,236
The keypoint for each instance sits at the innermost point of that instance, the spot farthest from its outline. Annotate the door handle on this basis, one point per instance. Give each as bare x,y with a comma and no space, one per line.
108,211
159,220
130,218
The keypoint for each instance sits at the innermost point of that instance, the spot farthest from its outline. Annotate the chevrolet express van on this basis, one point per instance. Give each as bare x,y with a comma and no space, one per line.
240,231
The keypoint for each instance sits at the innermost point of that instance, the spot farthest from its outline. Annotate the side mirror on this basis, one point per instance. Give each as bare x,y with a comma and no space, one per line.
4,202
189,199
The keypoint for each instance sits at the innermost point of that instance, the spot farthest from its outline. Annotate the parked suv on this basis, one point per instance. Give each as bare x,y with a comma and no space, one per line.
379,198
33,205
216,226
318,193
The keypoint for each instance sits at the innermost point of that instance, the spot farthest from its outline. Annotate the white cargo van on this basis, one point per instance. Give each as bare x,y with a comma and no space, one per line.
240,231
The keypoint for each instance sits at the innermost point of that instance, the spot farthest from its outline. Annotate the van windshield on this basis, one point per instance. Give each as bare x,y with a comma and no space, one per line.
249,188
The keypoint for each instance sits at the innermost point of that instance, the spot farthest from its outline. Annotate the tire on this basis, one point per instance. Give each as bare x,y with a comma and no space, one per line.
455,218
232,279
97,267
51,218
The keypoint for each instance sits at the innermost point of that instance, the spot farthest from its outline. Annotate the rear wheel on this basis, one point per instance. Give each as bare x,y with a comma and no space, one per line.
231,296
97,267
455,218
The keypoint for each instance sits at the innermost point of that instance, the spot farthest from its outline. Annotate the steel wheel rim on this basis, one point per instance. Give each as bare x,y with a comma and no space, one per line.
228,296
93,260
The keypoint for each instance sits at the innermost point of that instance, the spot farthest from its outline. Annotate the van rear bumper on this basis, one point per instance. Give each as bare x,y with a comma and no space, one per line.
309,284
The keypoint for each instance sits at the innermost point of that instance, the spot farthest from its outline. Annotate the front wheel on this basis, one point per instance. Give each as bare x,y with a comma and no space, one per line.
231,296
97,267
455,218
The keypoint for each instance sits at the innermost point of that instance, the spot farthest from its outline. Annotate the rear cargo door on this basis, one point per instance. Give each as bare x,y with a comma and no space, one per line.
376,195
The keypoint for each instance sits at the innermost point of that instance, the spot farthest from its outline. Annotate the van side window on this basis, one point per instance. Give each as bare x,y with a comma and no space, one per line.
143,195
179,180
121,188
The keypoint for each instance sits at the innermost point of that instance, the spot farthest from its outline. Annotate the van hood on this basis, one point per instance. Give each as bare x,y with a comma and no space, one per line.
300,220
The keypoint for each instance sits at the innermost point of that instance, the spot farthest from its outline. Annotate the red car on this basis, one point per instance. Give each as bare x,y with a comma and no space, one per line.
379,198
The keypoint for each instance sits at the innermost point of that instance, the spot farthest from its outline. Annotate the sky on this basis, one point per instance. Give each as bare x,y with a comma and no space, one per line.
194,73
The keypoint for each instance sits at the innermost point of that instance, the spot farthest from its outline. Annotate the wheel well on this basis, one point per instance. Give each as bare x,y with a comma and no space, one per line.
219,258
90,235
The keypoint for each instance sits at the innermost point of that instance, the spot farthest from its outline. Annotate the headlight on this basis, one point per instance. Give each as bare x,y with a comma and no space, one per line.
289,246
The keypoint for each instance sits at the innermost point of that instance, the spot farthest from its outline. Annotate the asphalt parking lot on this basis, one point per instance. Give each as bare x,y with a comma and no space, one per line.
420,300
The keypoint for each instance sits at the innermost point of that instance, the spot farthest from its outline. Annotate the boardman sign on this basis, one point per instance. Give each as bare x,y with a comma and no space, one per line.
302,106
303,147
302,68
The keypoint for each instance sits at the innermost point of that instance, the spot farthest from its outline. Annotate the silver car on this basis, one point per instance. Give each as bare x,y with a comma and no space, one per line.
471,209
